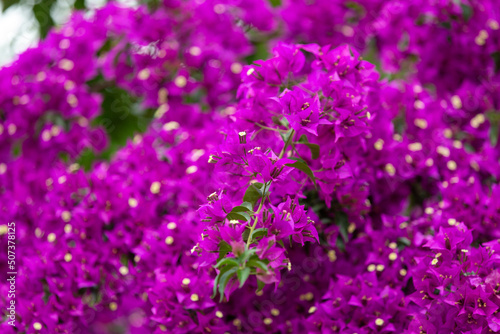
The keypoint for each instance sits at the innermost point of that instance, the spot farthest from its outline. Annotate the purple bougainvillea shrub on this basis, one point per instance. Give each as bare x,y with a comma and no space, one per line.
298,193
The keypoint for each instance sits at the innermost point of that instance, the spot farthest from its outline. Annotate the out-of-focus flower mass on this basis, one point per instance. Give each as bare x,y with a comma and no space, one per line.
295,166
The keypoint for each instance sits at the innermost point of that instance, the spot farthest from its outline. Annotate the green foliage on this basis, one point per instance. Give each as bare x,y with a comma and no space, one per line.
275,3
467,11
239,268
243,275
224,249
301,165
260,232
41,11
342,221
261,52
254,192
241,212
286,135
494,118
314,148
496,59
121,116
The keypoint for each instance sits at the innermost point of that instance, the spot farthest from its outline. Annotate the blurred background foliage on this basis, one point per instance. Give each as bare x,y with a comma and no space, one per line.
48,13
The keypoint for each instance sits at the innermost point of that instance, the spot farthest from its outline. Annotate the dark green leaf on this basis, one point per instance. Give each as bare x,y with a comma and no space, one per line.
224,279
493,135
260,285
224,249
276,120
496,59
254,193
228,261
218,277
7,3
257,264
494,118
216,283
79,4
245,234
260,232
275,3
340,244
300,165
466,11
243,275
121,115
314,148
342,221
41,11
445,24
261,52
246,255
239,216
286,135
404,241
247,205
240,212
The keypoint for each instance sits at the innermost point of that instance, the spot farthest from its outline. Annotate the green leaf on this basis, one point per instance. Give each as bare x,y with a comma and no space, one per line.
494,118
276,120
257,264
7,3
224,249
300,165
239,216
243,275
260,232
261,51
314,148
246,255
246,205
228,261
121,114
216,283
340,244
224,279
355,7
79,4
493,135
253,193
286,135
218,277
403,242
342,221
124,260
275,3
260,285
245,235
240,212
41,11
496,59
466,11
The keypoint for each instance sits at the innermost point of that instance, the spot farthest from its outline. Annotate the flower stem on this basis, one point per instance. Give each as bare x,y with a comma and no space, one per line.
286,144
252,228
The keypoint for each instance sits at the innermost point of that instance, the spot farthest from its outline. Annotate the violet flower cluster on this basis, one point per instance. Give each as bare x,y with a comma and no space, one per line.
307,192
